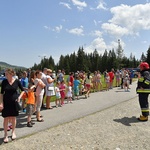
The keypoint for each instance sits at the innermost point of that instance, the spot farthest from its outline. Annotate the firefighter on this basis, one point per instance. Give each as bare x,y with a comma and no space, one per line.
143,89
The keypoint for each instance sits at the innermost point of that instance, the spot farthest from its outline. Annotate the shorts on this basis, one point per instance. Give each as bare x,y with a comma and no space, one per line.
76,91
88,86
58,96
24,96
29,109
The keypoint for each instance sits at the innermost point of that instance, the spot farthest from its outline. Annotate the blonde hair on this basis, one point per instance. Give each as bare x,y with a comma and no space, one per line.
10,71
49,71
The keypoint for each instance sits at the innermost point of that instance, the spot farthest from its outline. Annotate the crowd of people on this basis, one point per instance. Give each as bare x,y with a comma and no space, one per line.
35,90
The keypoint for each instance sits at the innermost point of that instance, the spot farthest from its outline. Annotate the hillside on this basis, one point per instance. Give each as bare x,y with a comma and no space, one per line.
4,65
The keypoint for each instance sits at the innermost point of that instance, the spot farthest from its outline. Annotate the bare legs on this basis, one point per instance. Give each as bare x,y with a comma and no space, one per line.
5,124
48,102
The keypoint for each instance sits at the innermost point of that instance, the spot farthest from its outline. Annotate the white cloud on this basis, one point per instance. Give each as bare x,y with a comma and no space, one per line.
115,30
47,28
128,20
65,4
76,31
97,33
80,5
98,44
101,5
58,28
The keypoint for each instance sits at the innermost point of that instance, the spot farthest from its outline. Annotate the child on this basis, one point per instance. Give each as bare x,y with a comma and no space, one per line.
126,82
76,87
30,104
62,89
107,80
69,93
88,84
58,96
84,90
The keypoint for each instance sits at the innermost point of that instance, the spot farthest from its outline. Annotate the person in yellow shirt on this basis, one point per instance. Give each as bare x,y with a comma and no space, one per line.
30,104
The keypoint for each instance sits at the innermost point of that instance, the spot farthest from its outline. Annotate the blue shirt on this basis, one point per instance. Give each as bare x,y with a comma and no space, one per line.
76,83
24,82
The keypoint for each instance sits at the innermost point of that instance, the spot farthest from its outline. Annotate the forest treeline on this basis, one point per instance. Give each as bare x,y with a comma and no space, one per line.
93,61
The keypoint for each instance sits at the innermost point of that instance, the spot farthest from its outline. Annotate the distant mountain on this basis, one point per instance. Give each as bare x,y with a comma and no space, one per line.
4,65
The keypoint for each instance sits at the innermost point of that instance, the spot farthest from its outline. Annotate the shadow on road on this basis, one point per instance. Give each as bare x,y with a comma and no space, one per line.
127,121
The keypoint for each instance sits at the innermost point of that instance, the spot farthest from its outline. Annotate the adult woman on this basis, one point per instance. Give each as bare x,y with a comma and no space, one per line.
49,83
9,94
39,84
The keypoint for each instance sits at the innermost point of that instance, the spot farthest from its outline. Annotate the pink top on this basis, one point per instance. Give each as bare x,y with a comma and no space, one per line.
62,89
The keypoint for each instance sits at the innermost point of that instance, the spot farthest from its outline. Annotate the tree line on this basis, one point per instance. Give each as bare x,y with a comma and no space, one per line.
80,60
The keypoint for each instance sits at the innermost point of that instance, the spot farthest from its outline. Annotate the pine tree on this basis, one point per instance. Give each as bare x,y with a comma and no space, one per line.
143,57
119,53
148,55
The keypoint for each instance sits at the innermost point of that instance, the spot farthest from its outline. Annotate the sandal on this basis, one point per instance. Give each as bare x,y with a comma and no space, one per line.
40,120
8,128
13,137
50,108
6,139
34,113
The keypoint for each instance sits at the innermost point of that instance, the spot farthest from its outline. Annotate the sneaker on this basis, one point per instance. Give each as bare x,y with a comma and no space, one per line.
143,118
29,124
24,110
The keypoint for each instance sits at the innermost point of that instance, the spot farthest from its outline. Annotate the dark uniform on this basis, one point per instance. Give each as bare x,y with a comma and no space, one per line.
143,89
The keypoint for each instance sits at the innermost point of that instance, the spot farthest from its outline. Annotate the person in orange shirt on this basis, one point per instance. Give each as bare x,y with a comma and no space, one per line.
30,104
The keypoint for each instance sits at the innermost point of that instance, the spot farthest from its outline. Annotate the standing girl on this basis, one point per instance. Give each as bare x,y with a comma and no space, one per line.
58,96
88,84
69,93
107,80
62,89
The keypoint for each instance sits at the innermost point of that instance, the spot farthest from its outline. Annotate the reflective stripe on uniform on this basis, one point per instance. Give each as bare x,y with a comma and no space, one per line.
143,91
147,82
145,110
141,79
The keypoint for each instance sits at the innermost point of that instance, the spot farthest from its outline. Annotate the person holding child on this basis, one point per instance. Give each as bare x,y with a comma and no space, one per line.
39,84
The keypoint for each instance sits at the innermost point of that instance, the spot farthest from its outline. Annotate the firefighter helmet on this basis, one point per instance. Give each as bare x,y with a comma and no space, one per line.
144,66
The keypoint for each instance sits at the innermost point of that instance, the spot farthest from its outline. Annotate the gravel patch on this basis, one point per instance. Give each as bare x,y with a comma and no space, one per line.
115,128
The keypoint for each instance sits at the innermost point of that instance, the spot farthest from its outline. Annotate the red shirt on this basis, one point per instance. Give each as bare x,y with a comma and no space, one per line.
71,80
111,75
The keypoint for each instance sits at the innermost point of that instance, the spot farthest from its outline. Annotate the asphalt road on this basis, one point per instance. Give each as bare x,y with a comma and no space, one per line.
97,101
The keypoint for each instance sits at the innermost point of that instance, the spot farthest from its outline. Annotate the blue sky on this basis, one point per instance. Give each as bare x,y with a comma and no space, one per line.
32,29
